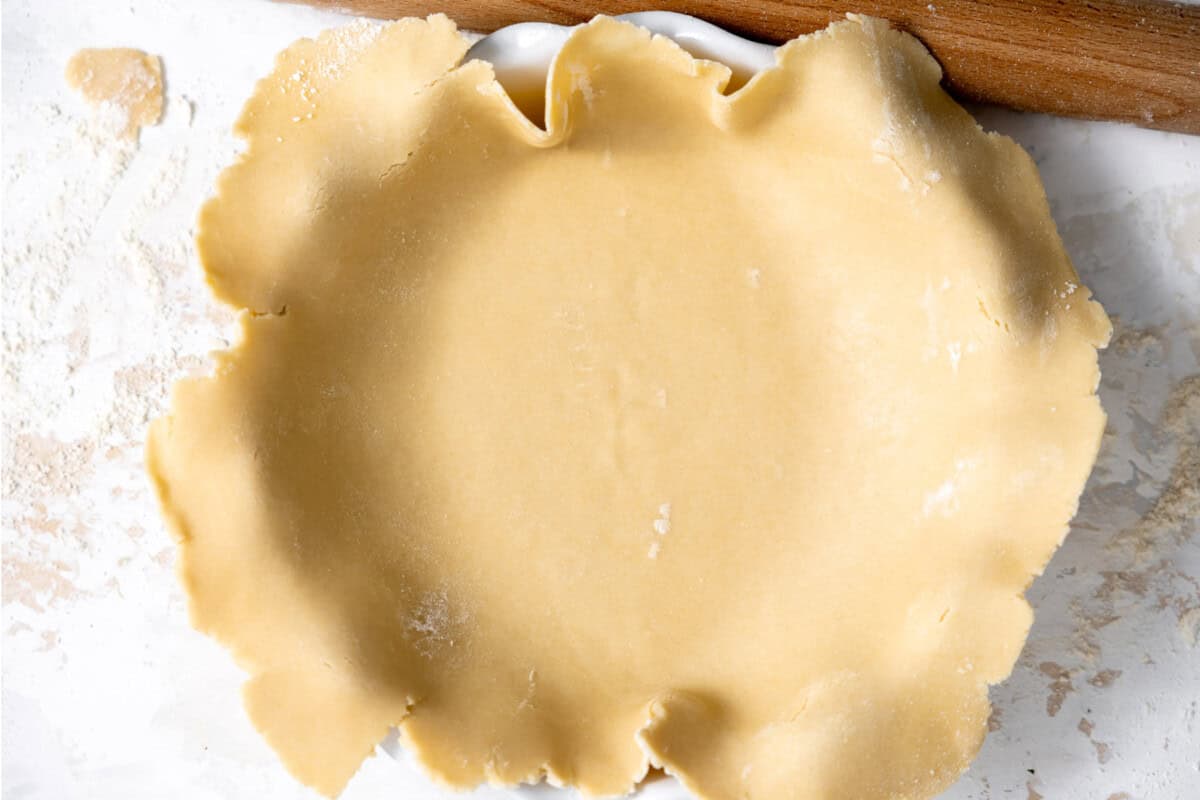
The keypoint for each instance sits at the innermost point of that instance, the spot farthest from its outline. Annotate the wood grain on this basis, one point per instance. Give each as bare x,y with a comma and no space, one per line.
1133,61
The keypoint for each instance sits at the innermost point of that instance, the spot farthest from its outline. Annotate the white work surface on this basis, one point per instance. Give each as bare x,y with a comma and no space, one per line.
109,695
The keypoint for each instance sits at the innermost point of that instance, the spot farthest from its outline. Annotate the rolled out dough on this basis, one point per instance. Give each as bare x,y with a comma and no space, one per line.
714,432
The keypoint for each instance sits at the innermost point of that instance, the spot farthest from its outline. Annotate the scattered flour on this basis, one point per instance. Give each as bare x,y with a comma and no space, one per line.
349,42
662,525
954,352
944,500
434,624
104,308
107,690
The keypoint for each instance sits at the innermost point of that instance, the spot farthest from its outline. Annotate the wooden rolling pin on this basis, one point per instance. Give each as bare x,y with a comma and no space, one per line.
1127,60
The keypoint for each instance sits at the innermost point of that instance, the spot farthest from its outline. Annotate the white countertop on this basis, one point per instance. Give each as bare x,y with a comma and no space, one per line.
109,695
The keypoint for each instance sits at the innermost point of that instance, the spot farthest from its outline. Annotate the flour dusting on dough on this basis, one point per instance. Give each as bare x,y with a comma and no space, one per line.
905,120
347,45
954,351
120,83
944,499
434,624
662,525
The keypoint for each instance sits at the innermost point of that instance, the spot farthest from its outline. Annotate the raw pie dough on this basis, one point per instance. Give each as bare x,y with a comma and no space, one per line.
718,433
127,81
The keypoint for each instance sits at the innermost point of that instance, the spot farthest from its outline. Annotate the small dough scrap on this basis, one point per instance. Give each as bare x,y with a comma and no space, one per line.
127,81
713,432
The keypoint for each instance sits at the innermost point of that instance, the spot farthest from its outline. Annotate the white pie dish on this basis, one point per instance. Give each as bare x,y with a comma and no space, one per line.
521,54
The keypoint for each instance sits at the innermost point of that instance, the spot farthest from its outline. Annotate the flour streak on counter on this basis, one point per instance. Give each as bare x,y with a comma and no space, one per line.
109,694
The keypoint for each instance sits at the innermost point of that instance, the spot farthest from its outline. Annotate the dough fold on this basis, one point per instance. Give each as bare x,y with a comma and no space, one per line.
715,432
